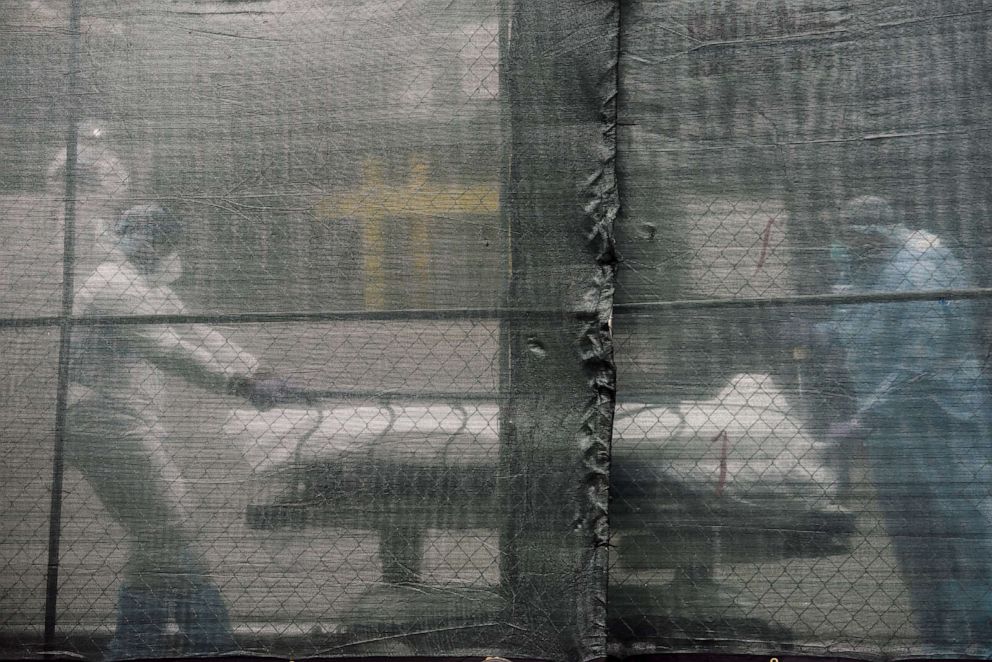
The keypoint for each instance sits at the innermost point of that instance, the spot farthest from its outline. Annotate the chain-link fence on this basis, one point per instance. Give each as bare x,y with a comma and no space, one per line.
292,508
801,329
358,419
301,160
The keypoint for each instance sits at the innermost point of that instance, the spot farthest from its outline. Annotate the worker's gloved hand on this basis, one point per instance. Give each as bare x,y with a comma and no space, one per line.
267,392
264,390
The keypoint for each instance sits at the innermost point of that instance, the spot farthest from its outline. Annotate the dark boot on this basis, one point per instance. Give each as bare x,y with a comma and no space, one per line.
141,620
203,621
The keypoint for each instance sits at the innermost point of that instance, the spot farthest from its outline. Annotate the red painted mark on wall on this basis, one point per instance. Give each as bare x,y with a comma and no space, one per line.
766,240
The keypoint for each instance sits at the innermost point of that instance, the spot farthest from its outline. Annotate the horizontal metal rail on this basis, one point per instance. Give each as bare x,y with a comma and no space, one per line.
649,307
439,314
314,398
509,314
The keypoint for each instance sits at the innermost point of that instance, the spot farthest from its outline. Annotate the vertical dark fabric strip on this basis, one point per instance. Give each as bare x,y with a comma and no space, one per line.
597,356
560,202
65,326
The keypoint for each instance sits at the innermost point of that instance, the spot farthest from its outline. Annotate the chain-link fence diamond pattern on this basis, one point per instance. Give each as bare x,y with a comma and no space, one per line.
806,203
801,329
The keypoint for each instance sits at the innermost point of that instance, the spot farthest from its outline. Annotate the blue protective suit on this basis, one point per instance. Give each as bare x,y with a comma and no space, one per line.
925,408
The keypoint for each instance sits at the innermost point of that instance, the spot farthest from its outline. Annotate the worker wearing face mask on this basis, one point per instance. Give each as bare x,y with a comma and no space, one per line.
115,439
923,410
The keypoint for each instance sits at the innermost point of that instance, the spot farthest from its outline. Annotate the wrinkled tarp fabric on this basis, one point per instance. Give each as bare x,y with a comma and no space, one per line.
748,130
591,361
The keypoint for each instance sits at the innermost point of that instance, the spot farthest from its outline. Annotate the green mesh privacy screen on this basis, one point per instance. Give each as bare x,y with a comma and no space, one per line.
548,329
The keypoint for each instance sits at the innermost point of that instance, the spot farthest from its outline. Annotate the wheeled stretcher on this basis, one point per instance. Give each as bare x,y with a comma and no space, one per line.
736,474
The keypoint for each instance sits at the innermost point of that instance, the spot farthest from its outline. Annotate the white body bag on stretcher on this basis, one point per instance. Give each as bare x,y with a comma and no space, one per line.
739,465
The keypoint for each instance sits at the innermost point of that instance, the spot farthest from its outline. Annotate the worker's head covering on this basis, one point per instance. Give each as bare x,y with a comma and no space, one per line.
149,222
148,235
867,210
866,231
866,222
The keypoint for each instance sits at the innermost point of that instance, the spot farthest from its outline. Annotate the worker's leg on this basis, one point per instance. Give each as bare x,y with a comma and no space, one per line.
965,507
203,620
906,477
123,459
141,619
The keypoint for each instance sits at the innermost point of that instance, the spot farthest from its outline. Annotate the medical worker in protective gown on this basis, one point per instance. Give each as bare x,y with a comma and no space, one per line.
923,409
115,402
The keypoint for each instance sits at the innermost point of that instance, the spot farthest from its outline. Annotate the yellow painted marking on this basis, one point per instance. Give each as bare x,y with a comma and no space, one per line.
373,240
417,199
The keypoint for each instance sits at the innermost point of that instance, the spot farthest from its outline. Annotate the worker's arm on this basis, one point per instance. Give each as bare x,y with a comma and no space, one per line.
912,340
196,352
200,355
